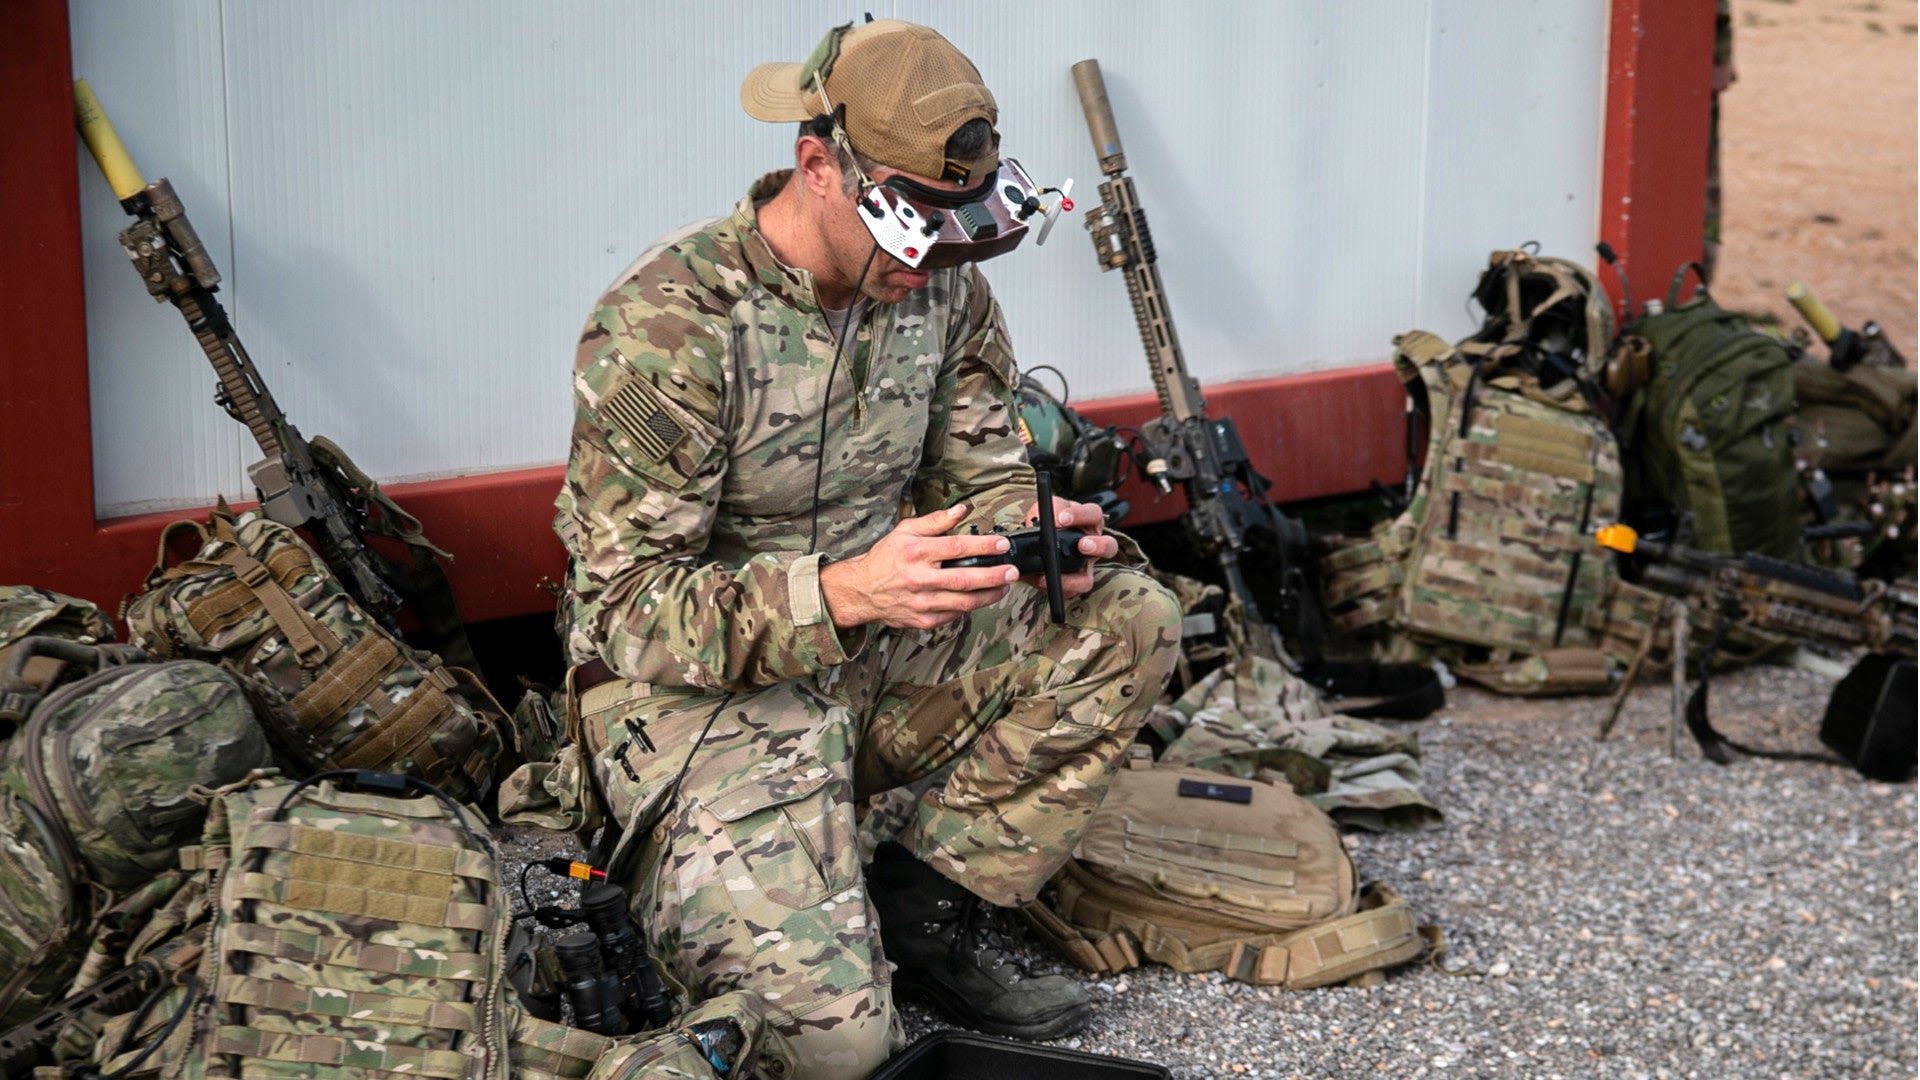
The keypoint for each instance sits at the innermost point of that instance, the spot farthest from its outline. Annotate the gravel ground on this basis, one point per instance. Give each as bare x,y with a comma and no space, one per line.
1609,911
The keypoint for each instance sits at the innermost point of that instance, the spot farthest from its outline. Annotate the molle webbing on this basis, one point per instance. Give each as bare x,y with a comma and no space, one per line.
342,693
1492,563
339,1052
356,1005
331,872
356,932
542,1050
304,948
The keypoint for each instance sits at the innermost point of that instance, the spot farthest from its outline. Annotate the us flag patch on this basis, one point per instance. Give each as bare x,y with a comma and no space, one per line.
638,414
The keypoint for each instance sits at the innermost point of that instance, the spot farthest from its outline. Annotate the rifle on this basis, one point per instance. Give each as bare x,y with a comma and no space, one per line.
1804,602
1228,513
33,1042
305,485
1810,603
1845,347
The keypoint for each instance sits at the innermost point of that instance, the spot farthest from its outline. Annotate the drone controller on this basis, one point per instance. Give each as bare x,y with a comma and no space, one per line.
1047,550
1026,550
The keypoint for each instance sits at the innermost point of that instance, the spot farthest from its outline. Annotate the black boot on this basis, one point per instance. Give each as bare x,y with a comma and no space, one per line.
946,945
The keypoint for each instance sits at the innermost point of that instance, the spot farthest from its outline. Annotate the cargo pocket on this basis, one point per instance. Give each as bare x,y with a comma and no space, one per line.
1031,744
792,837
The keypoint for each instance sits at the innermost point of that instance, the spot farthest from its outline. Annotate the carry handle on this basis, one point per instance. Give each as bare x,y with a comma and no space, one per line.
1680,275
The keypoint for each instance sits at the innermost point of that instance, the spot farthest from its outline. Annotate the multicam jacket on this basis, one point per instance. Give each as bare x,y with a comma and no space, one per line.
690,495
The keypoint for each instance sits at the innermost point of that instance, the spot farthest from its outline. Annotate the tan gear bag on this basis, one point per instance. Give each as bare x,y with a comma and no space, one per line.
334,689
1205,872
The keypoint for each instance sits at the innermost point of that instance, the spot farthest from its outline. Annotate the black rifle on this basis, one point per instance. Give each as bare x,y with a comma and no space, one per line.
303,485
31,1043
1228,515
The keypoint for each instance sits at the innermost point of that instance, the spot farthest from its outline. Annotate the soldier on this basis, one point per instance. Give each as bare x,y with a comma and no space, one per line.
786,419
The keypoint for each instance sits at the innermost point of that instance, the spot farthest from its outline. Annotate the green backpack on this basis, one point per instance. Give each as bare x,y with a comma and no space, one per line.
98,790
1707,436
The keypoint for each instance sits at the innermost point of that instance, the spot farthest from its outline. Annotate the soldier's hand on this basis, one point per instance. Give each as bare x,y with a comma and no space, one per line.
1089,519
899,581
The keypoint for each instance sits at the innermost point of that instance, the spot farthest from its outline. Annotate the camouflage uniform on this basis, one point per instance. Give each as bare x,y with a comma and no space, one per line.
687,509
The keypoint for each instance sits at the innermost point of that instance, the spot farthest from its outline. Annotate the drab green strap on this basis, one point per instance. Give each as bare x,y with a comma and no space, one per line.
1357,581
1321,953
357,1005
378,851
340,1052
1383,932
1106,954
360,955
351,679
1365,613
310,640
340,898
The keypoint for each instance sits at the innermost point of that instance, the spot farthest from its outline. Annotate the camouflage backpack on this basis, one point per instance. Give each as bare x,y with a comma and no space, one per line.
1491,567
351,931
98,790
356,924
1706,436
1203,872
334,689
29,612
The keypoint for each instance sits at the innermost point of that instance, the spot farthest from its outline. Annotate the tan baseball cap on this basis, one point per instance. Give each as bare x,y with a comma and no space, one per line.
903,87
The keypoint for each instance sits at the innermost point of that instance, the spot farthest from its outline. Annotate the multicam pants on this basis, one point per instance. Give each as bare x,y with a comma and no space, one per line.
752,875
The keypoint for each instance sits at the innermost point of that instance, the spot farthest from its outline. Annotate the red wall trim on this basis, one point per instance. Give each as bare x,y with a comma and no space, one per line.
1314,435
46,448
1653,175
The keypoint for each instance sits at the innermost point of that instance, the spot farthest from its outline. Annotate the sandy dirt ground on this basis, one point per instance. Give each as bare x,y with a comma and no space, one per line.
1817,145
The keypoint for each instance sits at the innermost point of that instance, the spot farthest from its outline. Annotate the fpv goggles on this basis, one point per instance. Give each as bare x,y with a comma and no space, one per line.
928,228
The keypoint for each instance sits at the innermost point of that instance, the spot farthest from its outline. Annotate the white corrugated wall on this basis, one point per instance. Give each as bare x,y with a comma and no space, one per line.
413,204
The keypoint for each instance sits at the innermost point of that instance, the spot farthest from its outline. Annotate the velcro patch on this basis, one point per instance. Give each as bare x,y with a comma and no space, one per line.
637,413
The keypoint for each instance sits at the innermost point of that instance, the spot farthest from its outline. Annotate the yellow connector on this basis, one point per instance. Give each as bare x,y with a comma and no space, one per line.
1620,538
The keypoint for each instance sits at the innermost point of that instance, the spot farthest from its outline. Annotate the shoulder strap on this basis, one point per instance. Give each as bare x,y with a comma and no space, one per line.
1380,934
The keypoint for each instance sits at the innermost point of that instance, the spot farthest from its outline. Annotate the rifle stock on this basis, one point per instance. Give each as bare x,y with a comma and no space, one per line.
1228,513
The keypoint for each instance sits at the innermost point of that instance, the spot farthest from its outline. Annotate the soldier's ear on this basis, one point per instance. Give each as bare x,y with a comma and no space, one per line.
817,166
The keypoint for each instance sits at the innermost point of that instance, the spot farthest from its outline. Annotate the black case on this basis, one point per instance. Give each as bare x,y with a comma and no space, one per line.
1870,718
963,1055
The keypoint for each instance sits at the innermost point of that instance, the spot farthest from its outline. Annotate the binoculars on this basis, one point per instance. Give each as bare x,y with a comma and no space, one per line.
605,973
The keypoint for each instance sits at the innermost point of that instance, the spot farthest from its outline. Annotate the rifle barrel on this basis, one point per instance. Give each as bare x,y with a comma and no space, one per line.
1093,101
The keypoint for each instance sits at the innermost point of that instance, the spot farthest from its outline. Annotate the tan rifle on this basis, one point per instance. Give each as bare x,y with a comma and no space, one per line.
1806,603
304,485
1228,515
